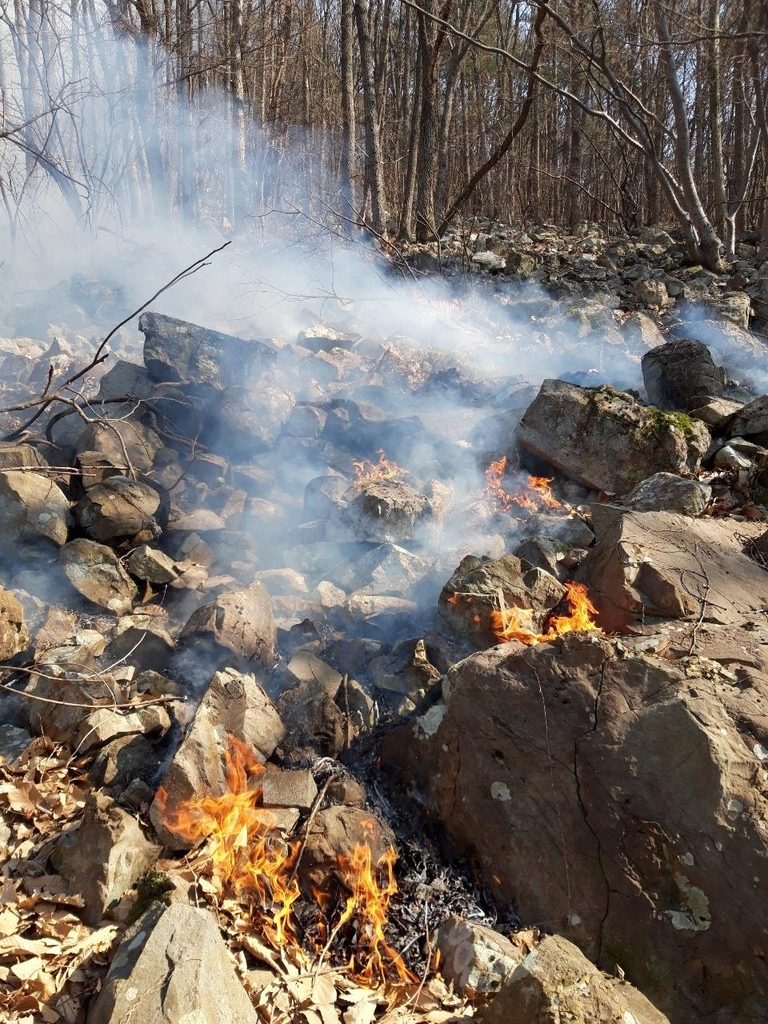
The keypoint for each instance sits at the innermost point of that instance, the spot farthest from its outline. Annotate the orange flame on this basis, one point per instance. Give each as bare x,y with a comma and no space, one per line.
248,855
368,472
516,623
541,495
247,852
369,903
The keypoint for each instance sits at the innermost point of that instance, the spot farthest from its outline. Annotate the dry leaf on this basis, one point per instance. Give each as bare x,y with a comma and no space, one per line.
27,968
324,990
360,1013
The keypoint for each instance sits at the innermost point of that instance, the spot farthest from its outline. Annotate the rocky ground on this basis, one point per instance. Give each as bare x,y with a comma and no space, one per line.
277,610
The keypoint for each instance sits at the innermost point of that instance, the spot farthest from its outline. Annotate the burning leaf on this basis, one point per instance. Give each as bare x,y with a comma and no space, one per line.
368,472
538,494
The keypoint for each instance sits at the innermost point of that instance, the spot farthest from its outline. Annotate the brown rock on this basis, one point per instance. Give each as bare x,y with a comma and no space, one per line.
124,443
334,834
235,705
612,797
118,508
14,635
478,586
662,564
32,509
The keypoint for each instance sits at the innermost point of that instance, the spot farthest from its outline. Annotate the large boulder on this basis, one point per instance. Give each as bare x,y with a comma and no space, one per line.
177,351
95,571
618,798
119,508
667,492
606,439
681,375
669,566
172,967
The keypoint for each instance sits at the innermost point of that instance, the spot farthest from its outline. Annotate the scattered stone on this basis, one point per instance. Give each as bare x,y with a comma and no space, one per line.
751,422
387,512
173,966
681,375
606,439
233,705
104,857
126,444
13,742
666,492
96,572
32,509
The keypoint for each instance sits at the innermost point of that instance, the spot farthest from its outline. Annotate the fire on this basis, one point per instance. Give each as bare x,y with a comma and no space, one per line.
249,858
517,623
368,472
540,495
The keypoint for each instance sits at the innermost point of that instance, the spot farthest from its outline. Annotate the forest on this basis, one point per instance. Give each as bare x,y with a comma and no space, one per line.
400,116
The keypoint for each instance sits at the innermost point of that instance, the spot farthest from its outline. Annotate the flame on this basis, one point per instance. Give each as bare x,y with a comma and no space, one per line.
541,495
368,902
516,623
368,472
247,852
249,857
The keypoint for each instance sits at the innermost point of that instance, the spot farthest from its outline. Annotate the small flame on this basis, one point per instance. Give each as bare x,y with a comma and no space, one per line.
368,472
540,495
248,856
517,623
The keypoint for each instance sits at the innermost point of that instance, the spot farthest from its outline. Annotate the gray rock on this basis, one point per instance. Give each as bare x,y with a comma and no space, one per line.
119,508
13,742
387,512
94,570
471,596
146,563
751,422
247,420
606,439
233,705
105,723
16,456
239,623
641,333
651,292
288,789
389,569
104,857
681,375
172,967
716,412
728,457
476,959
666,492
178,351
32,509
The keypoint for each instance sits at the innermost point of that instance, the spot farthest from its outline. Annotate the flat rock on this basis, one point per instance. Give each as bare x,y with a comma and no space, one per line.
172,967
146,563
178,351
95,571
751,422
606,439
233,705
670,566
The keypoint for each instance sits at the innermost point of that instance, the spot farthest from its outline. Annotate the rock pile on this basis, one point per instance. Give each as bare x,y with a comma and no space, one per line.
257,556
